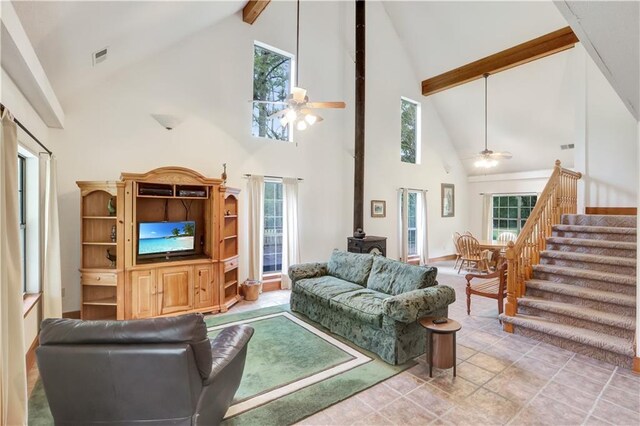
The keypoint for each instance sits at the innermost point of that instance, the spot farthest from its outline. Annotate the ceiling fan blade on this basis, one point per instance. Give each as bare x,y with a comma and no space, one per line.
298,94
501,155
326,105
278,113
270,102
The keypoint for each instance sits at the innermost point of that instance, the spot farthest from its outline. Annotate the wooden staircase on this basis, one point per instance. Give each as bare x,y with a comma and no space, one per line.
572,278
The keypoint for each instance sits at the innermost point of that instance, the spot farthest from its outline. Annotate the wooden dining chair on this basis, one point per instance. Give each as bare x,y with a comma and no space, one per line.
493,286
471,254
507,236
456,236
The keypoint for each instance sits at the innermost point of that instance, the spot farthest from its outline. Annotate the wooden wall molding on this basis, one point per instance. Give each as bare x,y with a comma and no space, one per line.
253,9
30,357
531,50
633,211
442,258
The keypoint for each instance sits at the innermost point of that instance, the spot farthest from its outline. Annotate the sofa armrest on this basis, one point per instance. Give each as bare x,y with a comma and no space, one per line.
307,270
413,305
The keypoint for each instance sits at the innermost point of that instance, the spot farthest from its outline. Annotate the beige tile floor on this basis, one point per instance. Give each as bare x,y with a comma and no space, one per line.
502,379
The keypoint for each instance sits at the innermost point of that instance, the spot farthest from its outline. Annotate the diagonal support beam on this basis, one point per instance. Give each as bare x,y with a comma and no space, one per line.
253,9
531,50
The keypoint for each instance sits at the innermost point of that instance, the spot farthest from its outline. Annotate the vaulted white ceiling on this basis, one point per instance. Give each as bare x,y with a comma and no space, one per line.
64,34
530,107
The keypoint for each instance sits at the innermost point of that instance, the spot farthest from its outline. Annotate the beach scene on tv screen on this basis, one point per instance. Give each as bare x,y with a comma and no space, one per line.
165,237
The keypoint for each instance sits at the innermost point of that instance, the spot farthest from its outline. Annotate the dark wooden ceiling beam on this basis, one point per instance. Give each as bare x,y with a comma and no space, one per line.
253,9
531,50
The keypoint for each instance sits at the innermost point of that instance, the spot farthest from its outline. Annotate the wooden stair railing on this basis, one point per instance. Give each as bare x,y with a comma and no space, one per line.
559,197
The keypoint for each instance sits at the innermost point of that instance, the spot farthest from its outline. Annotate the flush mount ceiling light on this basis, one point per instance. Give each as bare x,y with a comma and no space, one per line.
486,158
297,109
168,121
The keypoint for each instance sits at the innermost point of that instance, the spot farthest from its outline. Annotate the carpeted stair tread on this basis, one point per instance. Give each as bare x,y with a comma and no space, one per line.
589,258
592,243
586,274
580,335
576,311
583,292
595,229
624,221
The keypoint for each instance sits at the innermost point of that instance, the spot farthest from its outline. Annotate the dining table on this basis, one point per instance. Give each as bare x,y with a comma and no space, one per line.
495,247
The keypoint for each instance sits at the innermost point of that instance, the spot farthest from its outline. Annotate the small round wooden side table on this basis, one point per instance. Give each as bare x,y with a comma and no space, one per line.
441,343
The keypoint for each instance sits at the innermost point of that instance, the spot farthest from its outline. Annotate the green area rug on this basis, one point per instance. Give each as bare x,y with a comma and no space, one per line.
294,369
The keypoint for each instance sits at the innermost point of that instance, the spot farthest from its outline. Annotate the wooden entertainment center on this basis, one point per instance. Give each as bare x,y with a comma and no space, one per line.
118,282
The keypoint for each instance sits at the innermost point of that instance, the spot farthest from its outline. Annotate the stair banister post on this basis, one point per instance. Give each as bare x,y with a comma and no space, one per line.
512,302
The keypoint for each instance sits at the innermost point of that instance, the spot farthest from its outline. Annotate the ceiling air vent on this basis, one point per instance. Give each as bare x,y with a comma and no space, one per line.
99,56
568,146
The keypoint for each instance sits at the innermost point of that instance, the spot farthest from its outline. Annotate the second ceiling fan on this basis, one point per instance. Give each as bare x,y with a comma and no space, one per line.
488,158
297,108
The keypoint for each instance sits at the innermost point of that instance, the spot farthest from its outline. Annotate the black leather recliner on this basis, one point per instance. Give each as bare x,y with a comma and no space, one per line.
153,372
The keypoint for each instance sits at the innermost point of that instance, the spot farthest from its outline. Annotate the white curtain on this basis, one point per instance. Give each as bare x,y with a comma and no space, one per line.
487,216
403,224
290,247
256,223
13,374
52,275
423,234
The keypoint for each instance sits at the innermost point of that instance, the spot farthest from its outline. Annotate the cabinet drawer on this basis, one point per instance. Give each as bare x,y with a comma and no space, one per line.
98,278
230,264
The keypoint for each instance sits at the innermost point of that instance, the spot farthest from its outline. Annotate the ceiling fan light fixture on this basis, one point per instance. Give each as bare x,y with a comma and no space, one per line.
310,119
291,115
486,163
302,125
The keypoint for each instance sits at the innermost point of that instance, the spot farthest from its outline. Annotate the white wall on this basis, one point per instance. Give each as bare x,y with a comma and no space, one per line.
389,76
208,77
611,169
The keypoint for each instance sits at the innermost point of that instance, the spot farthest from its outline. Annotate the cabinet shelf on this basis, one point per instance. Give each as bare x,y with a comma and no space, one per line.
98,243
107,301
230,237
230,283
100,217
230,216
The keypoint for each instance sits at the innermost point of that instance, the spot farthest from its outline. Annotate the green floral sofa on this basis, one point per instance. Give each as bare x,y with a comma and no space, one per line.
373,301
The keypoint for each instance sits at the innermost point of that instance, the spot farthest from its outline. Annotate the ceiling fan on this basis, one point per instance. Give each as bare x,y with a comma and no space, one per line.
297,108
487,158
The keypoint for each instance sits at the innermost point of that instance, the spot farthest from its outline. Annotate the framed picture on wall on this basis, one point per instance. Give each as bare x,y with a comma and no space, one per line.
448,200
378,208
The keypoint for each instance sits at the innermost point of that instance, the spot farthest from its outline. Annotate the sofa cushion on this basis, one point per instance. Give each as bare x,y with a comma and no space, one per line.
324,288
353,267
393,277
362,305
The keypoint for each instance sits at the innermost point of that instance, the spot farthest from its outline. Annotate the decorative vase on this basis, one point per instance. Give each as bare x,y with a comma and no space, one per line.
113,233
111,207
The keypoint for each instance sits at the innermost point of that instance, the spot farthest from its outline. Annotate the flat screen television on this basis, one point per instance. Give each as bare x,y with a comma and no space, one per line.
160,239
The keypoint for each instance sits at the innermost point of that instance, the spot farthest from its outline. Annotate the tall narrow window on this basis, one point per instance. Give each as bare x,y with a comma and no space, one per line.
272,75
510,213
272,249
409,131
412,225
22,216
